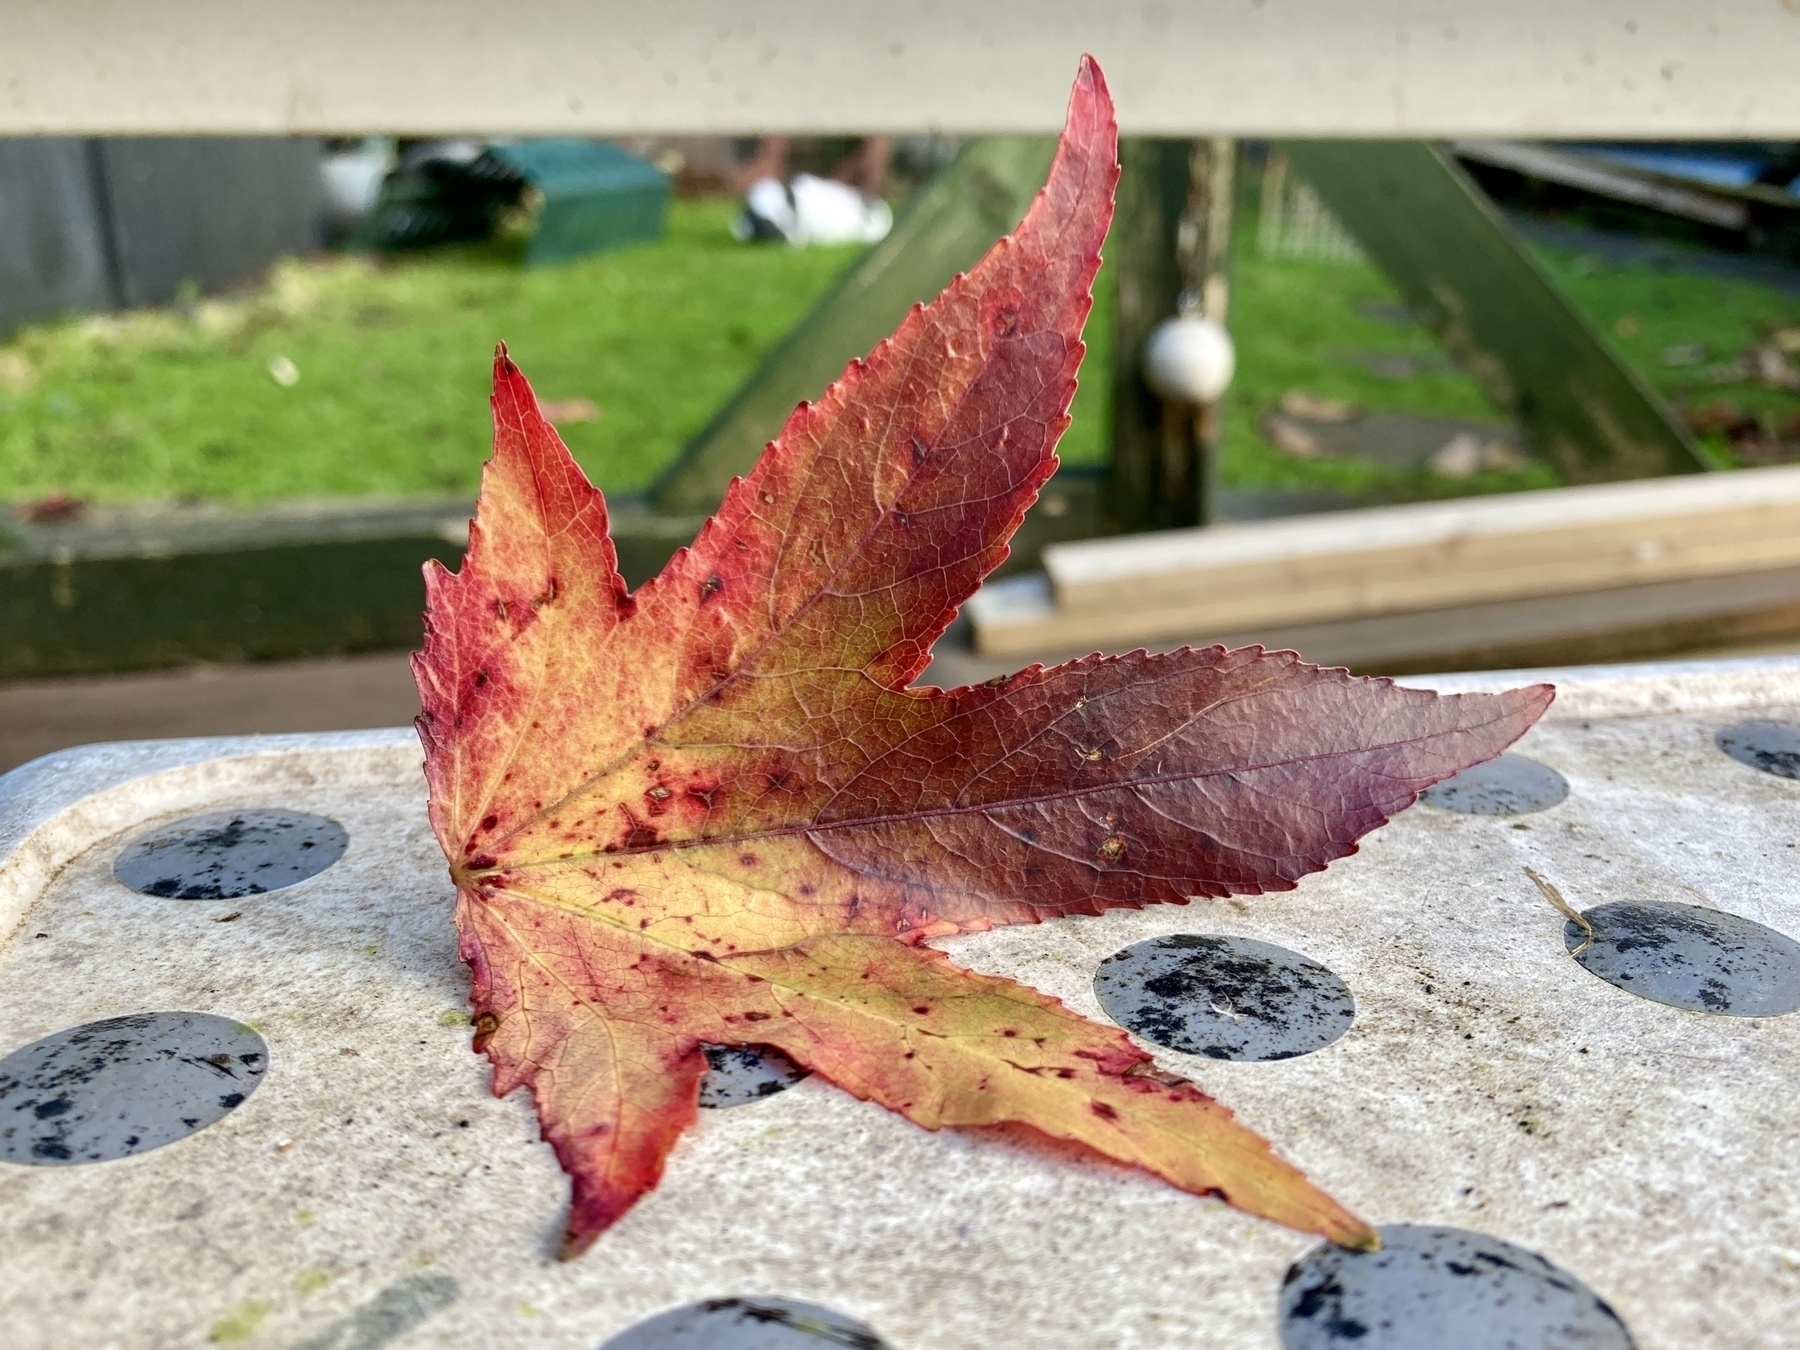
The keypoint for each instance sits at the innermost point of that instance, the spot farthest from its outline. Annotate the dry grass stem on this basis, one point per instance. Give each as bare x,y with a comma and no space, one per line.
1567,910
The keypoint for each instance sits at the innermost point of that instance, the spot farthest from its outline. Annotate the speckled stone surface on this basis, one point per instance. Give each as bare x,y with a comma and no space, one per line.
372,1191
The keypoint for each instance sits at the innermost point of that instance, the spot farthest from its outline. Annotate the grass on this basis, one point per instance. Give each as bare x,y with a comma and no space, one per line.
1314,326
1683,332
392,364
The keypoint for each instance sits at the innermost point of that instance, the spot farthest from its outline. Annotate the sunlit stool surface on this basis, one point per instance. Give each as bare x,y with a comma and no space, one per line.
238,1103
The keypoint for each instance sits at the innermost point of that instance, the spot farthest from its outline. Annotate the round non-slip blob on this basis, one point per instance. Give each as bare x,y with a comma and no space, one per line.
227,854
1509,786
1773,747
1433,1288
1704,960
747,1324
110,1089
1224,997
737,1074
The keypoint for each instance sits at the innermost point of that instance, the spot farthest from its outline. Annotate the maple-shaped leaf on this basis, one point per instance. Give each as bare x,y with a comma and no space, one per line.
714,812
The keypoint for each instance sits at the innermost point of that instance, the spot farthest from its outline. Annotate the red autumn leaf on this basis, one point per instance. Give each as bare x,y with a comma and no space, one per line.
713,811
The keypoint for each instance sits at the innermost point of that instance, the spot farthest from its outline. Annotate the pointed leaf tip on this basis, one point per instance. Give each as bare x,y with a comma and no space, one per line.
713,812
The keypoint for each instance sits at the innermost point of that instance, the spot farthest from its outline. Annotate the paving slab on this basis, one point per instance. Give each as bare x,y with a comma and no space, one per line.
1554,1159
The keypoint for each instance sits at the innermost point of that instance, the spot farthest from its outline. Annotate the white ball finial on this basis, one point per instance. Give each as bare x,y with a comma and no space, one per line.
1189,360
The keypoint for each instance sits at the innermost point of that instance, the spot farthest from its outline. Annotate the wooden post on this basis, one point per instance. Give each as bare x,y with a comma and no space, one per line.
1170,250
1206,294
1148,489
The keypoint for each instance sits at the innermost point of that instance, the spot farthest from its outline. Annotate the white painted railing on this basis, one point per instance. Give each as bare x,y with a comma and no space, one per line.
1525,68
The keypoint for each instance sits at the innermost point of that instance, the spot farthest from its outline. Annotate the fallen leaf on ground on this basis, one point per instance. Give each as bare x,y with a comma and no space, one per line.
1754,440
1465,454
17,374
563,411
1771,367
713,813
58,508
1291,437
1722,417
1312,408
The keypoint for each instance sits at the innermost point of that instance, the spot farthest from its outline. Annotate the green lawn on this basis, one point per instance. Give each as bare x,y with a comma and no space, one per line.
1314,327
392,366
393,369
1685,332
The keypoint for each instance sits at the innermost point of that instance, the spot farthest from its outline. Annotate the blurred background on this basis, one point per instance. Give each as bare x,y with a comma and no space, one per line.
1374,276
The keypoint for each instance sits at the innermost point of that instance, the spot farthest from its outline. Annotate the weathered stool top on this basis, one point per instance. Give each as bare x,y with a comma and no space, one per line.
237,1101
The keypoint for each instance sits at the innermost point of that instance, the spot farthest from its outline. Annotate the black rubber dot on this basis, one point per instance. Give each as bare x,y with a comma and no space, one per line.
1433,1288
747,1324
739,1074
1509,786
1773,747
1687,956
126,1085
225,855
1224,997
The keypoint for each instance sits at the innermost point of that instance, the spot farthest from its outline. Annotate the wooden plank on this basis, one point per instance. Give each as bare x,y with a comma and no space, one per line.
1398,558
1471,282
1628,623
946,227
1592,174
1420,68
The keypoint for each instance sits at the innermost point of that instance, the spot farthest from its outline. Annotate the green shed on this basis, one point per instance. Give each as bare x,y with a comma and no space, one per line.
586,196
